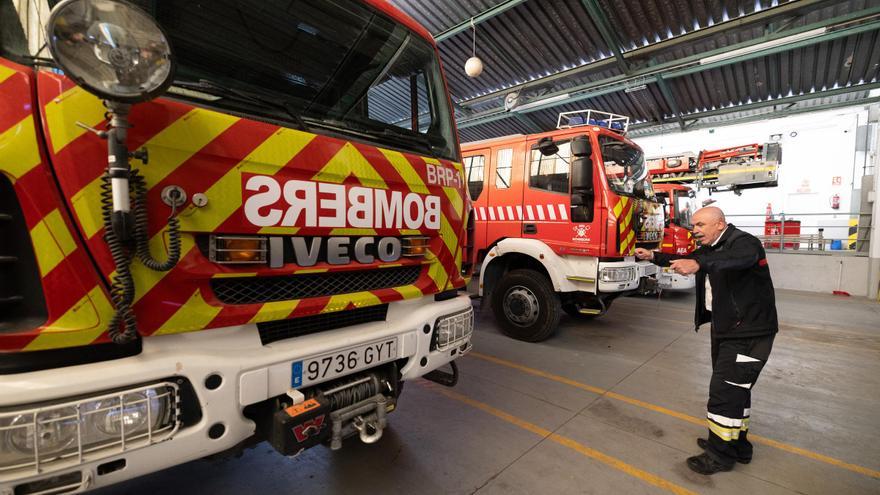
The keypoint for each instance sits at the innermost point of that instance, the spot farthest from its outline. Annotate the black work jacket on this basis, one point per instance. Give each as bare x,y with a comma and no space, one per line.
743,300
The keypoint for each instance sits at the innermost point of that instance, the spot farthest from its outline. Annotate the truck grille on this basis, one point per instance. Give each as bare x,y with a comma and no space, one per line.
21,293
253,290
284,329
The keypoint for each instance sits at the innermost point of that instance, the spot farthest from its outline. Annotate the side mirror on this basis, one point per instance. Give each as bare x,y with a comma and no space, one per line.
580,146
547,147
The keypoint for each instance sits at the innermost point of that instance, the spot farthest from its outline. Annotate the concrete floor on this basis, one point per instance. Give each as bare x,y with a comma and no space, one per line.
609,406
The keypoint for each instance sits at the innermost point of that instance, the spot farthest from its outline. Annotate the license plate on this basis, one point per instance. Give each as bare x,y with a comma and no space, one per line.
328,366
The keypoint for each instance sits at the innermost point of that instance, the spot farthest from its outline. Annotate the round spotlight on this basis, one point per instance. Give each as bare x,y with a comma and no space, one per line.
473,67
110,48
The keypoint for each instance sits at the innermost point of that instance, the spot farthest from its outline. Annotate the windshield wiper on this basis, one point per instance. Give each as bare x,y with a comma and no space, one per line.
212,88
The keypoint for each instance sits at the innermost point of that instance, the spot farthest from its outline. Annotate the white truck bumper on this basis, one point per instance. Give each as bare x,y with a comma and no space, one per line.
250,372
669,280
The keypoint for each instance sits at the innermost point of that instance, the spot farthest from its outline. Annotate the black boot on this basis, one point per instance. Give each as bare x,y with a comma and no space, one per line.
706,464
704,444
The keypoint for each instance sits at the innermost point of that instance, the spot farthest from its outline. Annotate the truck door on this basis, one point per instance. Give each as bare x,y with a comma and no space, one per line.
503,207
476,164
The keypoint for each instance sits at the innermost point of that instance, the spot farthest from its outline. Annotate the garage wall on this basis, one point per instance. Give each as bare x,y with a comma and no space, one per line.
819,273
816,148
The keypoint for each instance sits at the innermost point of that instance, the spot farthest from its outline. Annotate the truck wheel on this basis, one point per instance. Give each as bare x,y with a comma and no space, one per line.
526,306
575,312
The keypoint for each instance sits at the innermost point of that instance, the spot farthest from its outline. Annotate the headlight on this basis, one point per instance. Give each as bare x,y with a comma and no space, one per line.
453,330
35,437
111,49
618,274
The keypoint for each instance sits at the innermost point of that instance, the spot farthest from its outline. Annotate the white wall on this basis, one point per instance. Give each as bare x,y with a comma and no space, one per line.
822,147
819,273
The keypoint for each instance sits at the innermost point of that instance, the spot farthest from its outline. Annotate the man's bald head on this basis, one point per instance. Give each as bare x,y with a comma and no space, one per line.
709,223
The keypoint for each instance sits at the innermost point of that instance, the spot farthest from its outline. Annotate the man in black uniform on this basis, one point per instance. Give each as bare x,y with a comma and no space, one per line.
734,294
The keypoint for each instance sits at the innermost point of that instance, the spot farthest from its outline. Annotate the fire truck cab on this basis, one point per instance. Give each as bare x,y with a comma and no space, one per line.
558,217
220,223
680,206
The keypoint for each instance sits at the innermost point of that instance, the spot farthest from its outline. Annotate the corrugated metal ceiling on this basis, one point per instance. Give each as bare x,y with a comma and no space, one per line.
538,38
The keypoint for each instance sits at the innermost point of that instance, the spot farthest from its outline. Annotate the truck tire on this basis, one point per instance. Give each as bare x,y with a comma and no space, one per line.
525,305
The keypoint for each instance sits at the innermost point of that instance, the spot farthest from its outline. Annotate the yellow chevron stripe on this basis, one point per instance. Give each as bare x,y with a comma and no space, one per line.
277,310
234,275
80,325
347,162
19,150
447,233
62,113
359,299
306,271
455,198
195,314
168,150
6,73
624,222
52,242
409,291
406,170
436,271
617,209
362,232
279,230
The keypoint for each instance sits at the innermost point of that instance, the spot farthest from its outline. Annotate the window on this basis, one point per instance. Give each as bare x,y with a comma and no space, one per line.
474,165
625,168
685,206
503,168
330,65
551,173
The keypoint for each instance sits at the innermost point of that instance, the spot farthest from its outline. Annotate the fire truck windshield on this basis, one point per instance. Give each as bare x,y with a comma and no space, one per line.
685,206
625,168
340,66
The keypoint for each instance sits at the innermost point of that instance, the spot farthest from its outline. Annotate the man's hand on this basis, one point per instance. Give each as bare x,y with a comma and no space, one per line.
685,267
644,254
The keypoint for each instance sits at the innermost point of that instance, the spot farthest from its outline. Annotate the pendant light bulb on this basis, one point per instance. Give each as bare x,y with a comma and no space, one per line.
474,66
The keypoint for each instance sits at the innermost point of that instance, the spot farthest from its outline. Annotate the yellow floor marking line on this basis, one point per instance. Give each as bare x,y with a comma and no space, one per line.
606,459
675,414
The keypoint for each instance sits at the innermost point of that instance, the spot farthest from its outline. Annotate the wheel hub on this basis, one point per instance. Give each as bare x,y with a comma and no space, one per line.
521,306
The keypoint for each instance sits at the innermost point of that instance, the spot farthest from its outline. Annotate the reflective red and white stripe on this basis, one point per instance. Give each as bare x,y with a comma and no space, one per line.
533,213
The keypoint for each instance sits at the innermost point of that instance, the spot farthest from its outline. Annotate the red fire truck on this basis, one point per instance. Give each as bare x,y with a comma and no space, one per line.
727,169
558,217
677,236
258,236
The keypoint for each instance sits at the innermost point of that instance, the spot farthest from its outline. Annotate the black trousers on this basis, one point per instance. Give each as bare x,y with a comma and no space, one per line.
736,364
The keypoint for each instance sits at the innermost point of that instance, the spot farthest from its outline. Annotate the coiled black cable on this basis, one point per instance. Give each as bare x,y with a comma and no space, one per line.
123,324
141,228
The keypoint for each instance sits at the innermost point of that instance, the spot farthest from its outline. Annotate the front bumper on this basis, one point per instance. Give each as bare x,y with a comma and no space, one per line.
669,280
250,373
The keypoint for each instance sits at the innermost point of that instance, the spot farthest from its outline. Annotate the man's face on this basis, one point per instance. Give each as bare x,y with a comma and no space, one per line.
707,228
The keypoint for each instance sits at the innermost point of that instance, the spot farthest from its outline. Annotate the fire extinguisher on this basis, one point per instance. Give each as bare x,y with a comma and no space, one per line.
835,202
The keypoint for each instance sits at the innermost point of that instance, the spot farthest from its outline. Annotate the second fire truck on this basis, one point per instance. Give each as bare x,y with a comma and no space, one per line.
558,217
677,236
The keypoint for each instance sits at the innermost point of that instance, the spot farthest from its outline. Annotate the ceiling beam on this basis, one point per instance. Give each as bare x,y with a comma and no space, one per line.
670,99
481,17
608,35
690,65
788,100
739,22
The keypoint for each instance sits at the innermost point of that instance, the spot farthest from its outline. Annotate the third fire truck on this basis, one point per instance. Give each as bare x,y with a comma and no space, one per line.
677,236
558,217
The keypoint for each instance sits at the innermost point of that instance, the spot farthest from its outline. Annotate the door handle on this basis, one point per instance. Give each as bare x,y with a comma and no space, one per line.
530,228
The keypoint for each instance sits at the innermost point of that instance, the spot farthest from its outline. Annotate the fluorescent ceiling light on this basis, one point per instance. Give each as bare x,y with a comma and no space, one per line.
633,89
748,50
533,104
